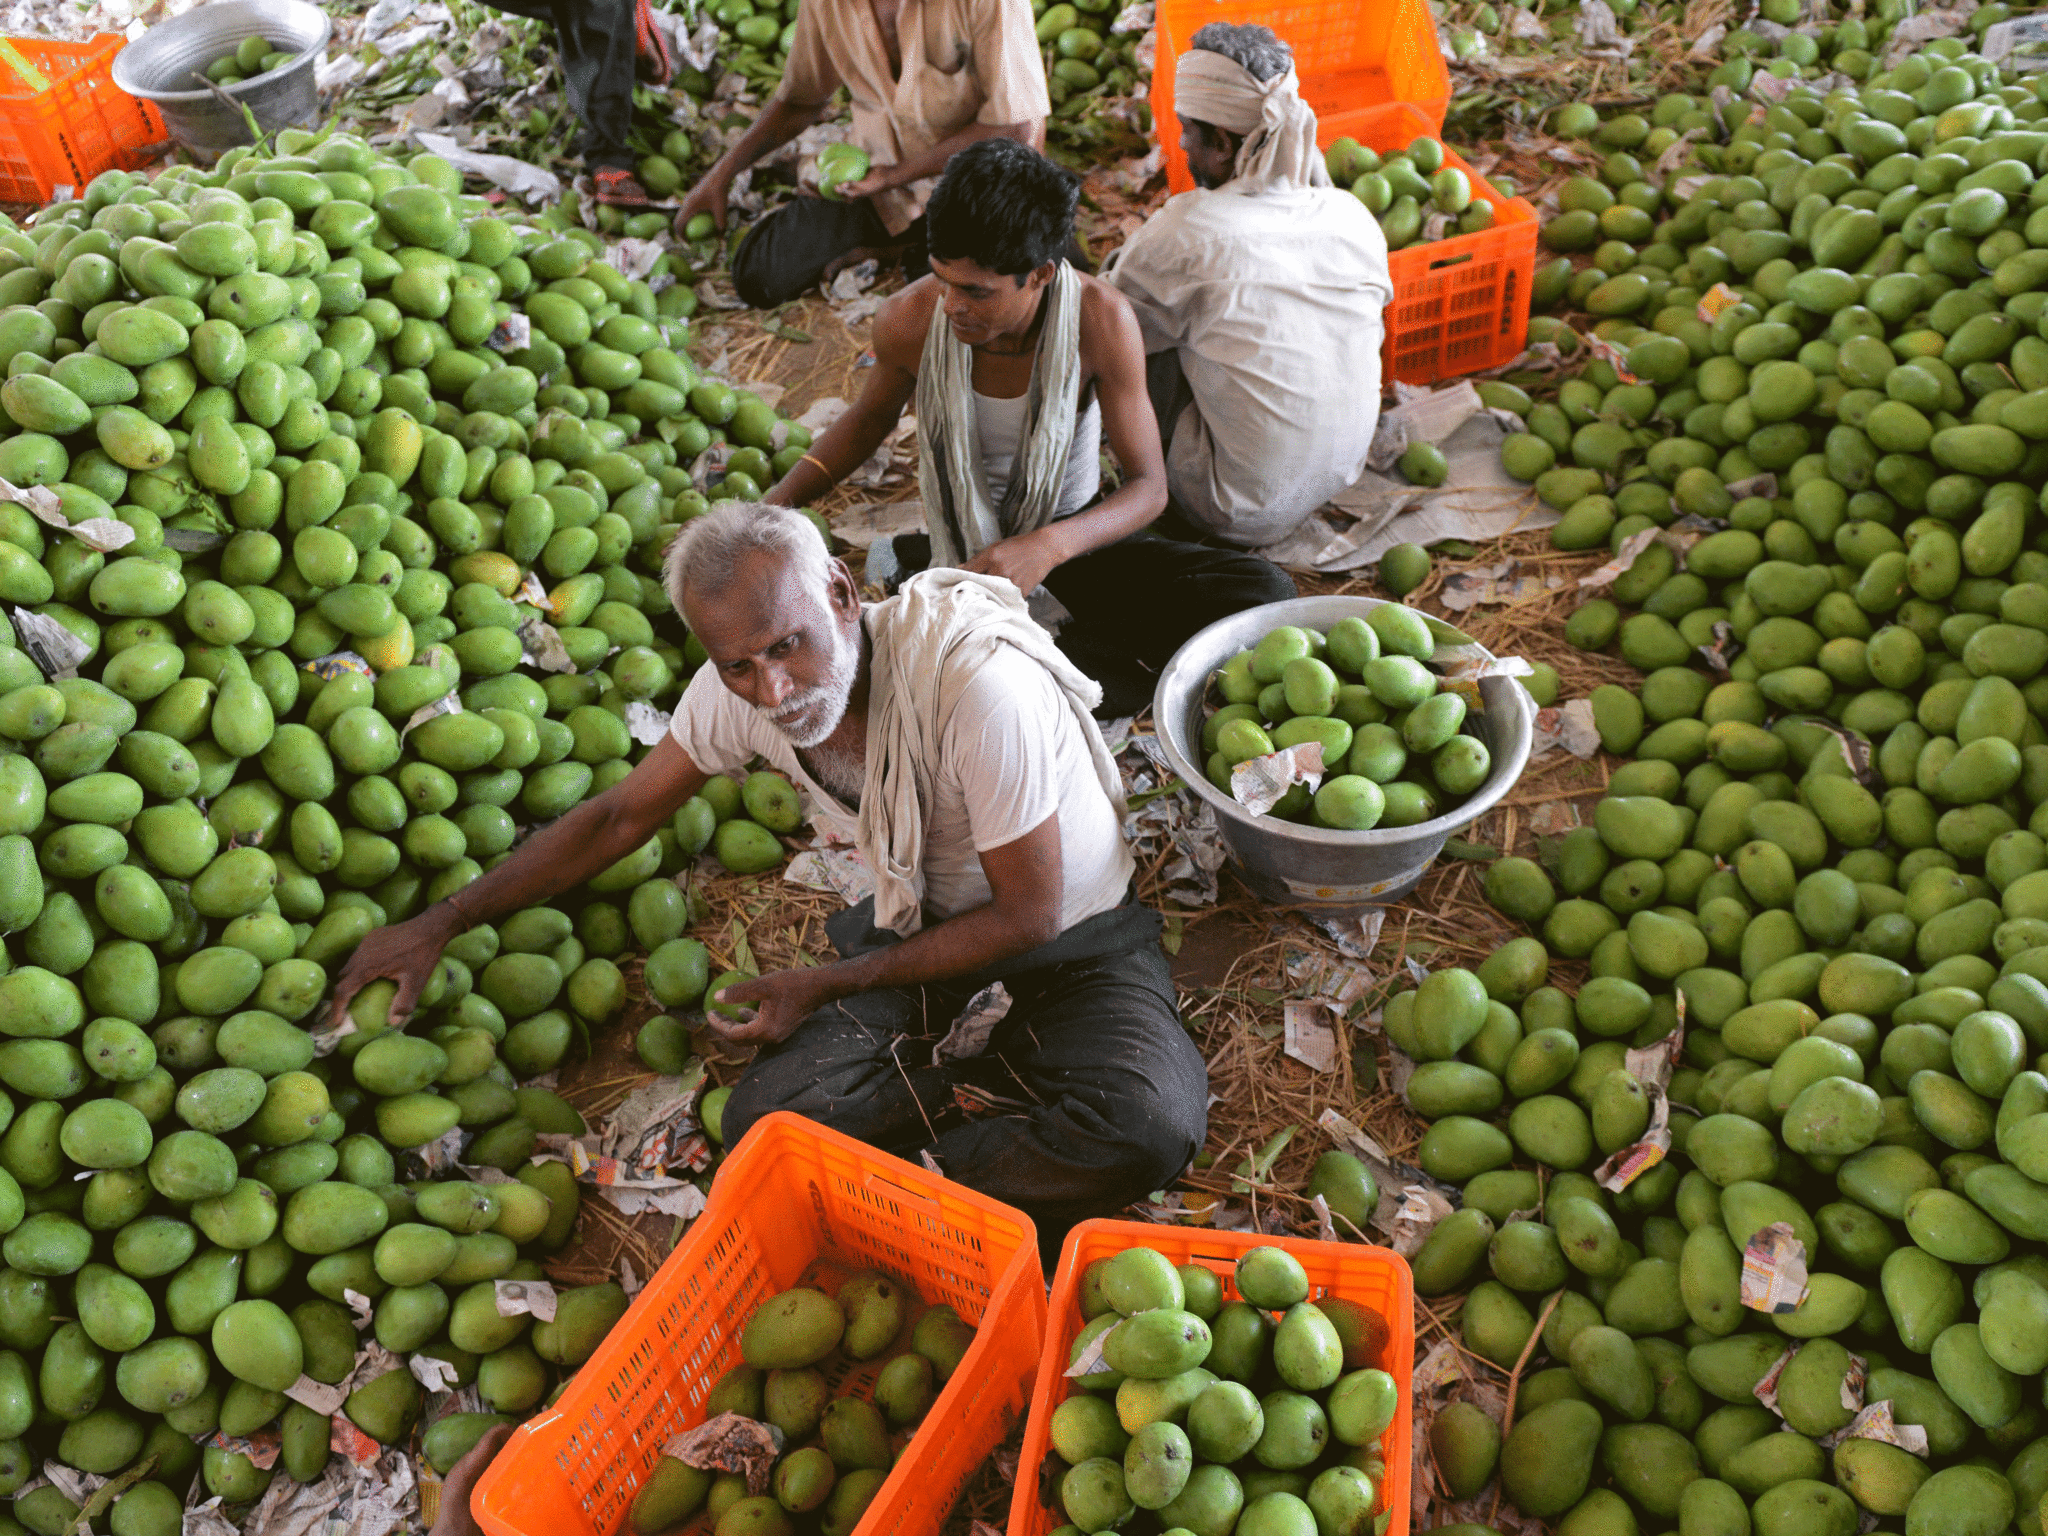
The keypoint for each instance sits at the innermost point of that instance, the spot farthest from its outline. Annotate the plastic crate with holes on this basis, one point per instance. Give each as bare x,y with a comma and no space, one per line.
1375,1278
63,120
1350,57
1461,304
795,1202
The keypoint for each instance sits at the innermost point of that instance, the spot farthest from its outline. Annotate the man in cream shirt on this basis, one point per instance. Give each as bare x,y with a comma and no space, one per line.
946,735
1260,296
927,78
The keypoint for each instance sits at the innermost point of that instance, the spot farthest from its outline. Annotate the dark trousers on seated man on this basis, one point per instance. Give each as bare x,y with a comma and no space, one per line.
1104,1098
787,251
1137,601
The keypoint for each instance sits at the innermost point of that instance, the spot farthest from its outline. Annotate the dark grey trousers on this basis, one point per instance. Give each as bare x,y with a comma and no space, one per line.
1111,1096
598,60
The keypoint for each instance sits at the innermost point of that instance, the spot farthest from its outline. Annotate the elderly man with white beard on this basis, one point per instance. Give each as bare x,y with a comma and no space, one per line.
953,742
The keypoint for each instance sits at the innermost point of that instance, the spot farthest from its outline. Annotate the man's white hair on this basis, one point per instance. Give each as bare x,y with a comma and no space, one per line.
707,552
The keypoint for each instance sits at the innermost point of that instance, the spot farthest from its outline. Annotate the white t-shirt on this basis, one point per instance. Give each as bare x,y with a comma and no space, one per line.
1011,755
1273,302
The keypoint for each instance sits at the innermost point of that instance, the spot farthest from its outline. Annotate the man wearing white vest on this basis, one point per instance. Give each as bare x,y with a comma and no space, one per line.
1260,296
1021,369
943,733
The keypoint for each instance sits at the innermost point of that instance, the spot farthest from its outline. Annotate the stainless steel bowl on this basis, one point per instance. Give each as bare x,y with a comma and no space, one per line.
160,67
1315,867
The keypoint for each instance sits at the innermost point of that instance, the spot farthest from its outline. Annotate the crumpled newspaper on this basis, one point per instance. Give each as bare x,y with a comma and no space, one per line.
351,1498
730,1443
518,177
1774,1270
640,1158
841,871
1258,783
1600,31
1568,727
53,648
524,1298
1182,820
1310,1033
98,533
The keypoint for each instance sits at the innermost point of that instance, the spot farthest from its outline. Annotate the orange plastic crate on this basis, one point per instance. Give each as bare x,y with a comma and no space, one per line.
1373,1277
1349,55
1461,304
792,1194
65,135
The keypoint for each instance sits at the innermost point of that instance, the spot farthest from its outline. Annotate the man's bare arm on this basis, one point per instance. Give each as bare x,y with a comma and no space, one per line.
780,121
898,339
561,855
1026,881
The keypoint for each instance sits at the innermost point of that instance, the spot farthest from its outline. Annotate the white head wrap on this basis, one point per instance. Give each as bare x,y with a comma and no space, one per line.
1279,129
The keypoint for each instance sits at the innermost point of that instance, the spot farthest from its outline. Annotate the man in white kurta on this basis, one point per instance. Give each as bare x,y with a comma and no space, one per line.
1259,295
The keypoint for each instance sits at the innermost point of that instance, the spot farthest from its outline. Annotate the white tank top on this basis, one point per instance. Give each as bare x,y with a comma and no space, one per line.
999,429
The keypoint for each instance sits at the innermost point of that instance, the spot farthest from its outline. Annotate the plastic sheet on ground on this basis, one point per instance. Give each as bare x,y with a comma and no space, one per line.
1478,501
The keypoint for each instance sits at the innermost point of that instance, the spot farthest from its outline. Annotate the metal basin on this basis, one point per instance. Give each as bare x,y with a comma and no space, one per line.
160,67
1288,864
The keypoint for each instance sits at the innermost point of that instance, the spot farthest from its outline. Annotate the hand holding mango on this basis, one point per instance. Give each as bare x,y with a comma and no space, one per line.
1171,1422
840,165
838,1449
1394,751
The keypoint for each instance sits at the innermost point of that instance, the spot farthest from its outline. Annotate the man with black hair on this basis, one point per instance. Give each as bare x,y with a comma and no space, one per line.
1260,297
1020,368
927,78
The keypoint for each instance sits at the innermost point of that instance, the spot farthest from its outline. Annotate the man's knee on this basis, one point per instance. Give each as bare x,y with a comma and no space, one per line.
1264,582
761,1092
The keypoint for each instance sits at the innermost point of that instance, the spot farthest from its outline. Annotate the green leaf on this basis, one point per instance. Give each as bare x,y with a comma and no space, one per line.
1459,848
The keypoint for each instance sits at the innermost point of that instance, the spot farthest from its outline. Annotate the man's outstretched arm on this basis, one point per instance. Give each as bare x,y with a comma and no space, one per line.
561,855
891,385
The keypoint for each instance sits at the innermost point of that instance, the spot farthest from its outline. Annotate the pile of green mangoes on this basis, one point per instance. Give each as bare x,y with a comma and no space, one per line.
1395,751
1825,862
299,705
836,1446
1083,57
250,57
1402,188
1213,1417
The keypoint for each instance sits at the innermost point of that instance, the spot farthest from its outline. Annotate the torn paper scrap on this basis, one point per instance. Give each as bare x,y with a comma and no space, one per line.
1258,783
1774,1270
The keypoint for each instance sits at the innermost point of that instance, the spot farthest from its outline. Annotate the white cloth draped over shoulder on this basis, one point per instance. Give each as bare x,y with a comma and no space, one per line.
929,641
957,511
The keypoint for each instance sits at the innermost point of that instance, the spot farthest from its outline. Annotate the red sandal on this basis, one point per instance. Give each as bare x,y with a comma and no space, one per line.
651,45
618,188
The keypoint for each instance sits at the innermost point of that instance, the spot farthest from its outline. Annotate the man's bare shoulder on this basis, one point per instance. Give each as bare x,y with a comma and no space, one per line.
1107,320
901,323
